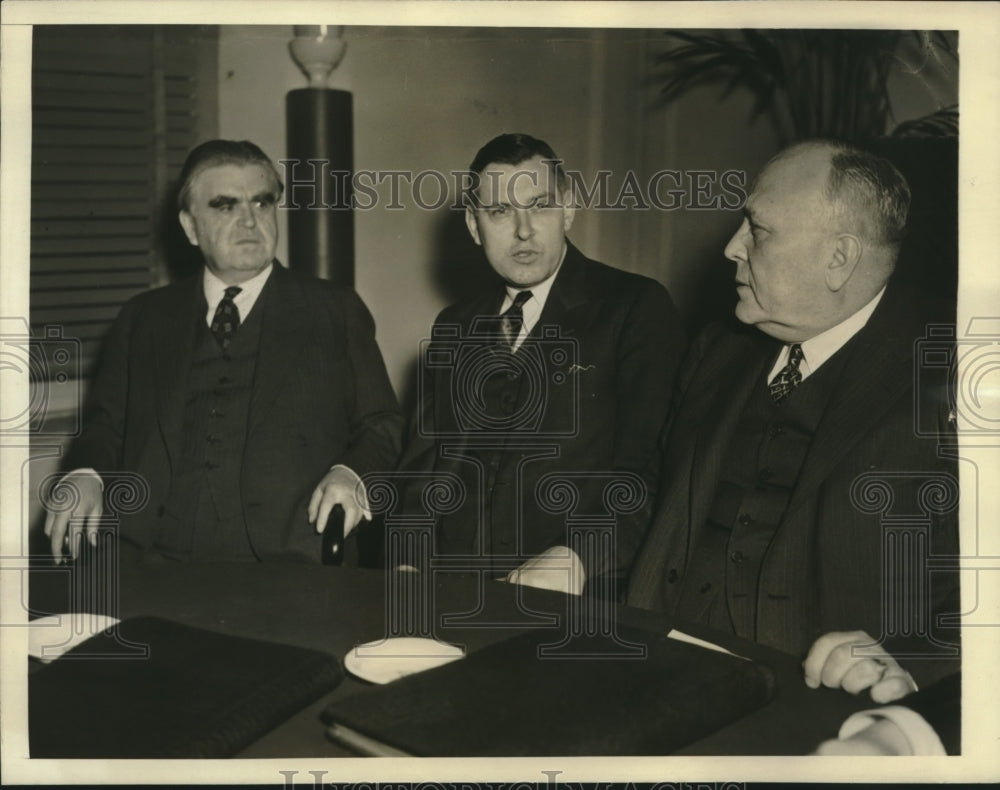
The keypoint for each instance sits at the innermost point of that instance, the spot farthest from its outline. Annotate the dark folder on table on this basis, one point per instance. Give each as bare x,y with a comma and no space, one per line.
508,700
194,694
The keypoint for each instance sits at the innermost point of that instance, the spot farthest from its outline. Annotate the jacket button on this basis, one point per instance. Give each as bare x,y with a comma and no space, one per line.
672,576
737,557
765,474
775,430
746,520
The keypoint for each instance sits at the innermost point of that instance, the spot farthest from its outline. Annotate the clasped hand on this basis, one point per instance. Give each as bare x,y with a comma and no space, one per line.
557,568
832,662
340,486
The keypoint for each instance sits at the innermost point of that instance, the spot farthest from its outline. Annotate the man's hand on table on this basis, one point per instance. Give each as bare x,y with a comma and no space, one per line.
65,527
340,486
832,663
883,737
557,568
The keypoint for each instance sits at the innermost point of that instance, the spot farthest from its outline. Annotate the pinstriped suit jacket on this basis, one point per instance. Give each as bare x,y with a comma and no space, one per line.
823,570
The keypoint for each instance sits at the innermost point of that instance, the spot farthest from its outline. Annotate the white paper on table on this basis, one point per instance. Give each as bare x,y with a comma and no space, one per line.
50,637
680,636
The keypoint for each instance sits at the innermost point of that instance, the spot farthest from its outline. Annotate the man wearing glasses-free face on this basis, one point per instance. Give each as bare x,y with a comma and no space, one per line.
559,375
249,398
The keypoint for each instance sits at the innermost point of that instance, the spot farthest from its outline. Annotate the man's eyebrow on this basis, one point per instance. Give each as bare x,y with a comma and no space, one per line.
506,200
752,218
222,200
267,196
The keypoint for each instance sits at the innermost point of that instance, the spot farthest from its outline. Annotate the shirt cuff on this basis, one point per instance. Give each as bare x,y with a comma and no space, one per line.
86,471
359,487
923,740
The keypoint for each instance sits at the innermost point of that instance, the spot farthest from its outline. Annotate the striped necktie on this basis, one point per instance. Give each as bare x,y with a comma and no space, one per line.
789,377
512,319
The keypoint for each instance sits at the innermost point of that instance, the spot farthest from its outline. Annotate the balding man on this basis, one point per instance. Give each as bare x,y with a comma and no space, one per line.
759,530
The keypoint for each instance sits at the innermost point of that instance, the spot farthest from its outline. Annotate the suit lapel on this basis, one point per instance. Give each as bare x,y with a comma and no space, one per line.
173,346
724,388
570,302
878,371
287,318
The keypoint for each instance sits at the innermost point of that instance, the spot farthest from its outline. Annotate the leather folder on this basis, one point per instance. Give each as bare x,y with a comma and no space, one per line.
520,698
158,689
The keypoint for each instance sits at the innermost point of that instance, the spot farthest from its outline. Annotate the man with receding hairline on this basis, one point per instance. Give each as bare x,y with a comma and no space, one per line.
777,417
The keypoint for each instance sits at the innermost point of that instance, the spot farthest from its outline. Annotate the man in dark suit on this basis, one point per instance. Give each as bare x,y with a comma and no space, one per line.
561,372
792,448
249,398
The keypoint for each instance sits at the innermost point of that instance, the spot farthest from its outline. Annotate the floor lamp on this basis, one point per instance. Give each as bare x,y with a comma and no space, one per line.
320,145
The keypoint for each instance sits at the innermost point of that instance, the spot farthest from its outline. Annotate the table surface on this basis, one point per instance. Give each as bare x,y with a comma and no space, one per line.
335,608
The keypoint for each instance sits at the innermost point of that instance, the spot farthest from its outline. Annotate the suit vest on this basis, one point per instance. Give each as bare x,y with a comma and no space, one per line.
757,477
205,490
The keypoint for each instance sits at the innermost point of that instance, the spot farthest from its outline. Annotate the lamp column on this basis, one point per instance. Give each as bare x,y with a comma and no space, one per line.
320,160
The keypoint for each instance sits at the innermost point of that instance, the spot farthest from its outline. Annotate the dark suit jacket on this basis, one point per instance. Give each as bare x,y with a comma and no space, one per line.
941,707
823,569
587,394
321,396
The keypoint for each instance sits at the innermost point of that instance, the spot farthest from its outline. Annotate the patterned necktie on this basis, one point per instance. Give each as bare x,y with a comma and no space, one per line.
512,319
226,320
788,377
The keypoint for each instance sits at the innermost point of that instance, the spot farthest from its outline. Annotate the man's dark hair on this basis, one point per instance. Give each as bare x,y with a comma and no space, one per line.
221,152
513,149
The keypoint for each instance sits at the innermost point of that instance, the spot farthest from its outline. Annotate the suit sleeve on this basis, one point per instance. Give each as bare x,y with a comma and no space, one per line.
100,445
375,420
420,449
648,355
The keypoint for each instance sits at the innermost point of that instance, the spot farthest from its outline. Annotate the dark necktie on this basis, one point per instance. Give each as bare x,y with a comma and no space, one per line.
512,319
788,377
227,318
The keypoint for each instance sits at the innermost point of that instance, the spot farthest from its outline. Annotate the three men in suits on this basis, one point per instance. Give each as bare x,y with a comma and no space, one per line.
543,396
788,429
249,398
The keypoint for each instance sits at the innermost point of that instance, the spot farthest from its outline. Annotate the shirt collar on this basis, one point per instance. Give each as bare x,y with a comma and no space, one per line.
817,350
539,292
215,289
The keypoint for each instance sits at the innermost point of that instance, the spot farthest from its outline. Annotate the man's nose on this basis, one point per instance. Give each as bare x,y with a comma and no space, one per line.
247,216
736,249
523,227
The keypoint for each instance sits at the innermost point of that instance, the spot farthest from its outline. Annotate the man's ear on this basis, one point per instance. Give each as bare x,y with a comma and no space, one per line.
472,224
190,230
569,208
846,255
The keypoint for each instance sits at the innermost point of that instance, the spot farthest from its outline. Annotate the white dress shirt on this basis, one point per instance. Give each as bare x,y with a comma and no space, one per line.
817,350
532,308
215,289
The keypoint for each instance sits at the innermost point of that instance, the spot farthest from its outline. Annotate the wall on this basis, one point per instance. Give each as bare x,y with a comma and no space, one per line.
427,98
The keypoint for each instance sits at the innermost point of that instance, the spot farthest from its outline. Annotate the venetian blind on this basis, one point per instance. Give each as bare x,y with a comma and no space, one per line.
114,111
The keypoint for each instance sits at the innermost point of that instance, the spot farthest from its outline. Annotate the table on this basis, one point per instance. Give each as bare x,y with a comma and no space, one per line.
335,608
